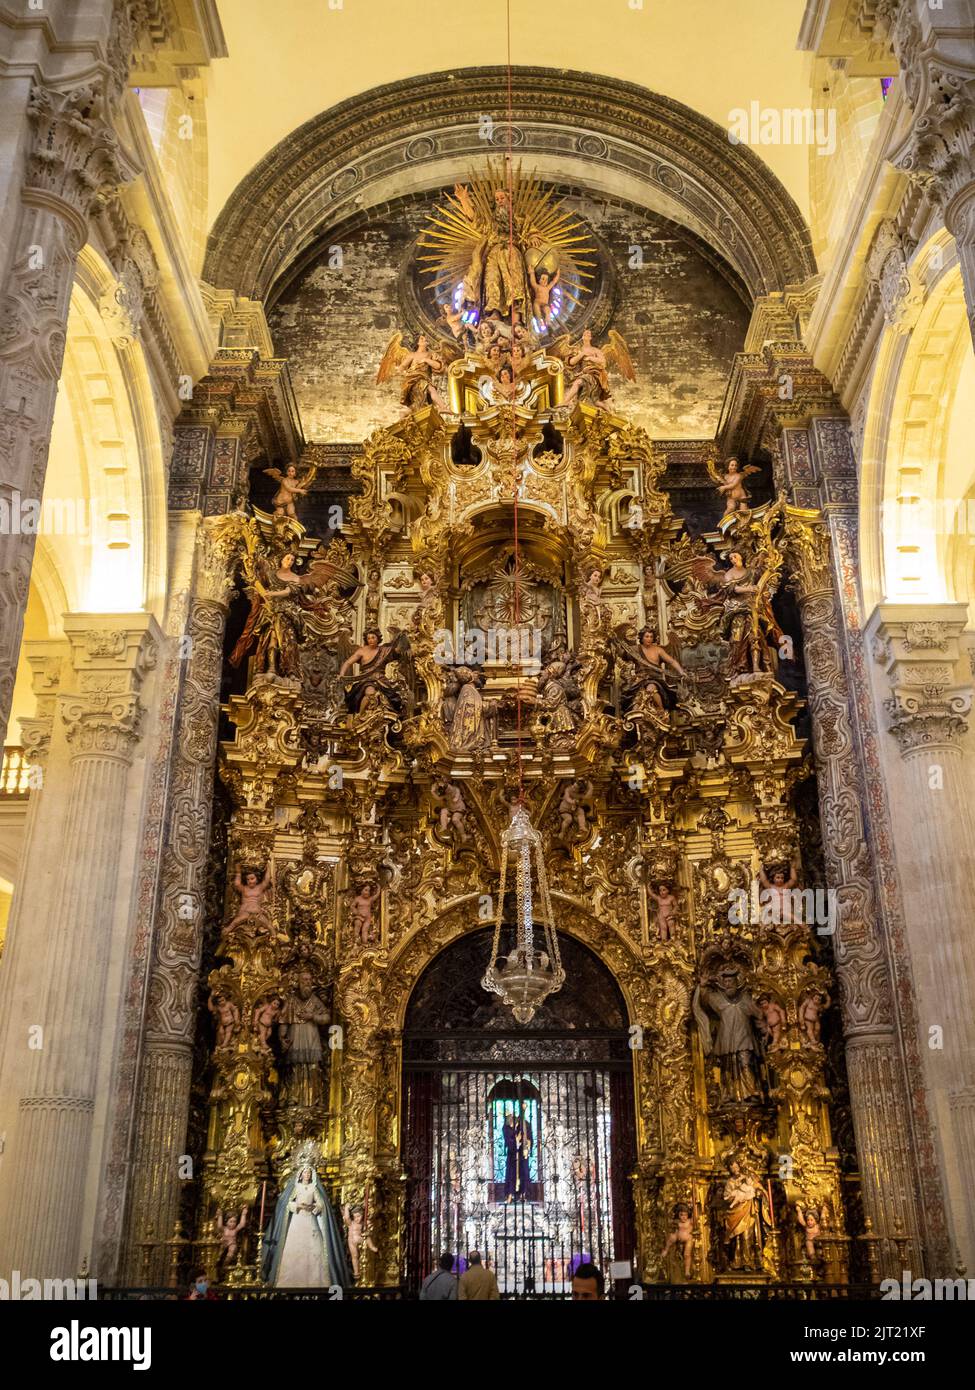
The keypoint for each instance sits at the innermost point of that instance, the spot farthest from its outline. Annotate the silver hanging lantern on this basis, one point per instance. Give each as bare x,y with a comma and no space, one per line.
527,976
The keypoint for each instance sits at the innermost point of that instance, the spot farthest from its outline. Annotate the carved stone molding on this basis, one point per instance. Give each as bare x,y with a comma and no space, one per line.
346,158
901,297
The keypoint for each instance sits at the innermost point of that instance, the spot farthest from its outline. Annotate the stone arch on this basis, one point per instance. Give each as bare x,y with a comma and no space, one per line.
102,540
107,452
912,473
613,137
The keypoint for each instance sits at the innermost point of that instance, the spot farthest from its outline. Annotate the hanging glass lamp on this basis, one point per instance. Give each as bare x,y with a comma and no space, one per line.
526,976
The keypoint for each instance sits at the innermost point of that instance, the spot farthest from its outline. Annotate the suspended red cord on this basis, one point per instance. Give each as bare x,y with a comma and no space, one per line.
511,246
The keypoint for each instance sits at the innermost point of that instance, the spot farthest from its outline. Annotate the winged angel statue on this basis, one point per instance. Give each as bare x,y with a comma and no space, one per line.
589,366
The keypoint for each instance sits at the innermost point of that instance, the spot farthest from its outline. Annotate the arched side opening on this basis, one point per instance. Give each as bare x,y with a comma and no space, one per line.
518,1140
917,470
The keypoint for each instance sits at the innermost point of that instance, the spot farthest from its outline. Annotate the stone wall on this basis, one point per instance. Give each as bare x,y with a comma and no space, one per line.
680,311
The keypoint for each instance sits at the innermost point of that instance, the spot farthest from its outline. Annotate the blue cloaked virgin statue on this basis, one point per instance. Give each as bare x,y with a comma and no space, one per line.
303,1248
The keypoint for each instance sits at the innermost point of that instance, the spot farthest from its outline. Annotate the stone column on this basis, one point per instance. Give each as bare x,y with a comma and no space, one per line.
901,1181
46,660
70,157
66,918
935,46
162,1112
928,685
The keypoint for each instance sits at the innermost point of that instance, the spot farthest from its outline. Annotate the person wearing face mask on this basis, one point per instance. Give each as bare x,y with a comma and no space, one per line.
200,1288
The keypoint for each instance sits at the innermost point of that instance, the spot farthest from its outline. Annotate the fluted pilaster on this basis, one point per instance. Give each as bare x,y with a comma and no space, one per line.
927,697
64,959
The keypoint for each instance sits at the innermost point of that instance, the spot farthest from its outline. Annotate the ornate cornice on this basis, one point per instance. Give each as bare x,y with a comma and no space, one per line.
776,388
242,408
354,154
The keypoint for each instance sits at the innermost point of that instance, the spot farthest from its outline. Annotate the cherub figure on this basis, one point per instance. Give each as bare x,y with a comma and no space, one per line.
360,911
777,906
542,285
227,1016
228,1232
290,486
810,1011
666,899
252,885
485,335
572,809
265,1017
451,811
519,357
682,1236
731,485
773,1020
811,1229
357,1236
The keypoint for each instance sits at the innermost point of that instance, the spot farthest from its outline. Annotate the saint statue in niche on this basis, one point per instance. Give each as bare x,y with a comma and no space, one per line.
372,657
302,1019
728,1020
517,1135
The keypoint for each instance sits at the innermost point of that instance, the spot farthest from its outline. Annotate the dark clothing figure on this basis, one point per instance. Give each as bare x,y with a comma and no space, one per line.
517,1144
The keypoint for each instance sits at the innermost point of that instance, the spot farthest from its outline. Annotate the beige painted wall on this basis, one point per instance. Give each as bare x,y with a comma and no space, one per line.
291,60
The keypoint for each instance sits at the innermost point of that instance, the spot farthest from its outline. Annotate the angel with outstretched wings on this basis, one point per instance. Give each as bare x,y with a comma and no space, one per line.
591,366
272,626
731,484
751,623
290,486
417,368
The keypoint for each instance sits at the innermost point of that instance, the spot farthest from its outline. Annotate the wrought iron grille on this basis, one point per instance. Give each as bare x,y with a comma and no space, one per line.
518,1142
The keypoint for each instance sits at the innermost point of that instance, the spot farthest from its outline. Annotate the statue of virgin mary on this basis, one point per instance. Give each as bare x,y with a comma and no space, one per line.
303,1248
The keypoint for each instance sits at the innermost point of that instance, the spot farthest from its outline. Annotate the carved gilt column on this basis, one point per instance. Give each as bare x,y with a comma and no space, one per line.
167,1058
67,923
901,1186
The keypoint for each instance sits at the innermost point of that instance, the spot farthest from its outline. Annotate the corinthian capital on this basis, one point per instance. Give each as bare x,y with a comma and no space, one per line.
919,647
111,655
107,724
940,149
928,718
75,154
933,48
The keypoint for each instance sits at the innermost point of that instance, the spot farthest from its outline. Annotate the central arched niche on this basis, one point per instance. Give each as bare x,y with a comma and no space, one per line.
449,998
